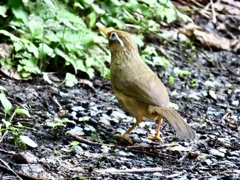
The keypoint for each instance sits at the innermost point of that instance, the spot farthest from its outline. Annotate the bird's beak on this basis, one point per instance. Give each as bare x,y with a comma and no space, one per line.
104,30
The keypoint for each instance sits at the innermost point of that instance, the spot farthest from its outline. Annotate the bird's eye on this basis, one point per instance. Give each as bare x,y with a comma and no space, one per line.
114,37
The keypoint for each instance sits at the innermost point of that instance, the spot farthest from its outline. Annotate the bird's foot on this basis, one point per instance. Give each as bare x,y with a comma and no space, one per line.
154,137
125,138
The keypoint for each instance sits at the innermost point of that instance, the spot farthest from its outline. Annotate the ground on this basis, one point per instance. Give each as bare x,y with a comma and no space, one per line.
75,129
95,118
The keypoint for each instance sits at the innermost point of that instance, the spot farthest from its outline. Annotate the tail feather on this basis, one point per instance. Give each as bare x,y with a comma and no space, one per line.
181,127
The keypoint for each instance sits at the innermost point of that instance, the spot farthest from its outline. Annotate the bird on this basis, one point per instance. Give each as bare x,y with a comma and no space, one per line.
138,89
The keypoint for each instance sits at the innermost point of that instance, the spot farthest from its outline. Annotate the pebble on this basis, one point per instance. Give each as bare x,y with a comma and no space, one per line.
114,121
202,157
225,141
118,115
208,161
105,116
28,141
77,149
84,146
216,152
120,131
235,103
89,128
93,121
104,121
85,118
124,153
235,153
73,115
76,131
78,108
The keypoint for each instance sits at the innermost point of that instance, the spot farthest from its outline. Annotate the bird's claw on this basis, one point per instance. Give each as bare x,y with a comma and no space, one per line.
154,137
125,138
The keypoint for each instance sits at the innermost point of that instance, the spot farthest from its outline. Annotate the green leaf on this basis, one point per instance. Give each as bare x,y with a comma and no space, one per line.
36,28
70,80
6,103
29,66
171,80
18,46
12,37
31,48
67,58
22,111
3,10
44,49
2,88
92,16
19,13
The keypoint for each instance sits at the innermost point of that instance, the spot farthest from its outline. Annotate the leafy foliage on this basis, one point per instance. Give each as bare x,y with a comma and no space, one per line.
50,35
6,124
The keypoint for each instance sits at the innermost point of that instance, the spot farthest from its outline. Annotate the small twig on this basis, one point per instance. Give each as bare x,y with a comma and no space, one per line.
18,173
7,152
227,106
56,101
182,158
226,115
133,170
9,168
213,13
84,140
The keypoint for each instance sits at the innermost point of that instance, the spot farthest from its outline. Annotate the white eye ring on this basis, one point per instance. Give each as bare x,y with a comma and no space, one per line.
113,36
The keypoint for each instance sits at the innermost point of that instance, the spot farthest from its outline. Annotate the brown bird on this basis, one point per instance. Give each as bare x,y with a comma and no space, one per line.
138,89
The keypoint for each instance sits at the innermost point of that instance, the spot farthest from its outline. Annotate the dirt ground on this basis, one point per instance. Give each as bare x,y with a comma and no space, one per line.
75,129
94,119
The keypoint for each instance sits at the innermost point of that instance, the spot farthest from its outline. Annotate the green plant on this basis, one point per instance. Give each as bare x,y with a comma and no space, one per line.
178,72
95,136
150,56
56,37
59,123
7,124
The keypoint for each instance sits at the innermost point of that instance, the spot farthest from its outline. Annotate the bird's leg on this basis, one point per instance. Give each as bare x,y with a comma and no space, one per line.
126,134
156,136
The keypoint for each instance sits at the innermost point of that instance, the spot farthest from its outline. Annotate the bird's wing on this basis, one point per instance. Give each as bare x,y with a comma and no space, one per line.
142,84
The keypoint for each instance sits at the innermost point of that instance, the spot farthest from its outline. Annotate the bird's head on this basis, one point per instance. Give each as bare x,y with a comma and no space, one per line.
119,40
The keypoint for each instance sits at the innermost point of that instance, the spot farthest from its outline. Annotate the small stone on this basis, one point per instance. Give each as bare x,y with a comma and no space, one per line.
84,146
84,104
93,121
118,115
26,157
216,152
114,121
223,150
28,141
208,161
202,157
225,141
85,118
77,149
105,116
120,131
89,128
105,149
78,108
73,115
235,153
76,131
104,121
125,154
